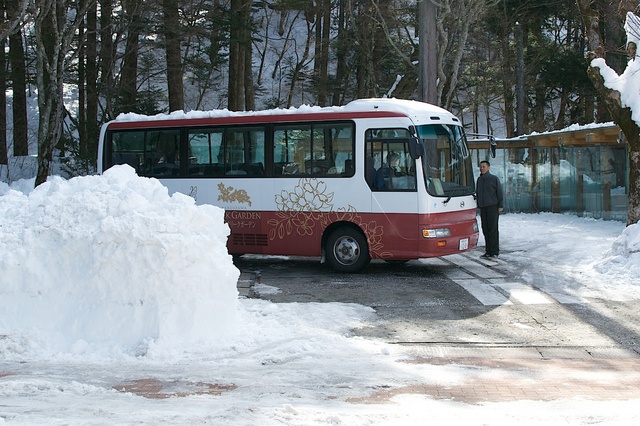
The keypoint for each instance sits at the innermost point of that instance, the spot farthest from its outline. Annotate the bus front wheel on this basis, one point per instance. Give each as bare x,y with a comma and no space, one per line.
347,250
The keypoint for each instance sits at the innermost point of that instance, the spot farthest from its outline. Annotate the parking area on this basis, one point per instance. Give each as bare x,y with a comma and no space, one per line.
471,312
460,299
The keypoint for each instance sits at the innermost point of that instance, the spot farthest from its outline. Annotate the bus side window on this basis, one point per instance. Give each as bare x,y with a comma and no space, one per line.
126,158
342,150
390,149
291,149
163,153
127,148
254,163
205,146
244,151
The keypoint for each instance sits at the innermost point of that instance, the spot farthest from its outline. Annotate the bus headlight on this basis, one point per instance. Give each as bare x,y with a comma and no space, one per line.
436,233
475,226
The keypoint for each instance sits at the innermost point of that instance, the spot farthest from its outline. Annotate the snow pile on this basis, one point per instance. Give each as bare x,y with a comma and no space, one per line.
114,262
624,255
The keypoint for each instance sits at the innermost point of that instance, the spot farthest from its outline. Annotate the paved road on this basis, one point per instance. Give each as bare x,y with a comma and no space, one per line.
459,300
465,310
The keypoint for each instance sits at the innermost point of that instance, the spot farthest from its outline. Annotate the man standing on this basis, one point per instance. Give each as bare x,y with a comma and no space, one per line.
489,197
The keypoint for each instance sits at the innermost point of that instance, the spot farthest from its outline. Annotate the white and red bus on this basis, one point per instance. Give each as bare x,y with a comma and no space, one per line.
375,179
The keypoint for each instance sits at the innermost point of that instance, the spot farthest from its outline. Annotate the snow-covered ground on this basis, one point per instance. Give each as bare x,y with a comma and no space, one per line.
109,287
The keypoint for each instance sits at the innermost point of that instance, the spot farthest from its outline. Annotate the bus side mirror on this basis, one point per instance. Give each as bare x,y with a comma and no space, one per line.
415,148
493,147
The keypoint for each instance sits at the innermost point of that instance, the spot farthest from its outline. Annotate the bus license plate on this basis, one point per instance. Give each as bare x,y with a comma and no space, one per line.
464,244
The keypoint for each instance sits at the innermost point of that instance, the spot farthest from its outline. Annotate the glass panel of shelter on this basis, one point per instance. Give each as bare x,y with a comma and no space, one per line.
584,180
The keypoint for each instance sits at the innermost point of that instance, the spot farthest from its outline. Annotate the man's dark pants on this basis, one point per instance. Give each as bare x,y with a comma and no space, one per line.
489,217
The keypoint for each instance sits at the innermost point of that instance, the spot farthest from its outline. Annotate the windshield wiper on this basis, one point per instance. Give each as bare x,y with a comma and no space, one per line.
460,190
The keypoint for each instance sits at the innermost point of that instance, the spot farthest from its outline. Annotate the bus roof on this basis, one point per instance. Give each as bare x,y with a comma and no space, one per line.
419,112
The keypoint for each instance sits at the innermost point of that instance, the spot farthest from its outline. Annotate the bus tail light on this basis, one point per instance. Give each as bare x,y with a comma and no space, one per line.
436,233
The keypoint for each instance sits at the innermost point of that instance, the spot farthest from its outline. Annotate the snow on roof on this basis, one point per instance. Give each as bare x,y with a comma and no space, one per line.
571,128
222,113
419,111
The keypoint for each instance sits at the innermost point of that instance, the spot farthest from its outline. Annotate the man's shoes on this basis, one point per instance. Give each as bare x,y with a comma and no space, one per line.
487,255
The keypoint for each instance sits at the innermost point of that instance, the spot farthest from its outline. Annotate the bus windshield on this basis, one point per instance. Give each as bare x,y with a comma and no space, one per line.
447,164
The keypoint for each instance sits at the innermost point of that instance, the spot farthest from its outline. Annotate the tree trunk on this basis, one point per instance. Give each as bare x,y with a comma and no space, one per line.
562,110
129,73
16,11
249,92
468,14
241,93
173,55
91,70
4,158
539,90
507,87
88,90
82,91
54,34
321,63
107,85
299,66
614,35
428,68
521,112
369,49
236,58
50,93
622,117
341,55
19,104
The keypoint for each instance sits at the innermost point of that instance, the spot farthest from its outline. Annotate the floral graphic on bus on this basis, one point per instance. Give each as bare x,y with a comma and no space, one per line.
374,232
229,194
309,195
301,210
193,192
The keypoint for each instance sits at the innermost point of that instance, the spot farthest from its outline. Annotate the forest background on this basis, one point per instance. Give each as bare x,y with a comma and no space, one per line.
506,67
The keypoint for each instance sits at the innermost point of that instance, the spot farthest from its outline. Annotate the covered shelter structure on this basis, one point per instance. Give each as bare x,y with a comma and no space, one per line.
579,170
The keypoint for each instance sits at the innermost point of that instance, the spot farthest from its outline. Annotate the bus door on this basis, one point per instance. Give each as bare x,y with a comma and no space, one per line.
391,175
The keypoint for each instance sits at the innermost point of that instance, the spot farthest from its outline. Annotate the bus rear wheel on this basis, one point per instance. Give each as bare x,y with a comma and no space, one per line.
347,250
